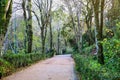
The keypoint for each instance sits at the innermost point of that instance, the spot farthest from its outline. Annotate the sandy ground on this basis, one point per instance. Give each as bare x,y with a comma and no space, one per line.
57,68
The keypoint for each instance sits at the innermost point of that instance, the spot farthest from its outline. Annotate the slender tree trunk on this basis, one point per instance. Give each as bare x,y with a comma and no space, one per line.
88,20
65,42
25,19
50,23
89,25
43,46
75,31
100,32
42,38
79,34
79,27
58,42
29,27
51,36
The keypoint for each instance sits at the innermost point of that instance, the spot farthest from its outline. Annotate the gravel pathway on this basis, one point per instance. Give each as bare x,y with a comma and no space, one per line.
60,67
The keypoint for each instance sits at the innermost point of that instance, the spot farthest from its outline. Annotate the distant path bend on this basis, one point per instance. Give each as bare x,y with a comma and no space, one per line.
60,67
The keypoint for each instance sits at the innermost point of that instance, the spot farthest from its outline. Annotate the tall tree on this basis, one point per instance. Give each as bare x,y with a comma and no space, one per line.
78,7
43,18
113,14
25,19
98,6
88,14
76,4
58,40
5,14
27,12
29,27
50,25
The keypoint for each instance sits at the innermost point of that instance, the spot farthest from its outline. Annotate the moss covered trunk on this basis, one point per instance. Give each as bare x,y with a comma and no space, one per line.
29,27
5,14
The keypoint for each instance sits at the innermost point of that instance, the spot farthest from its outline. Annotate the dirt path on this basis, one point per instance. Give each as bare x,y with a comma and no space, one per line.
57,68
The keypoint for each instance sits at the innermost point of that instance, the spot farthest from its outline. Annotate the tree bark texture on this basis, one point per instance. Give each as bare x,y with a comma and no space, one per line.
98,6
5,14
29,27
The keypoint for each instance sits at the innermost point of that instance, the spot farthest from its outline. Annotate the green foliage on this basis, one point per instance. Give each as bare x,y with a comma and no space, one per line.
50,54
3,2
90,69
4,21
9,62
68,50
117,31
87,69
22,60
88,38
73,44
5,68
112,53
67,32
88,50
111,48
108,33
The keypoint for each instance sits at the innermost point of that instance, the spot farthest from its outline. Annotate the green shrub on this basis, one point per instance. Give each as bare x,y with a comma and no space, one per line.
5,68
10,61
88,50
90,69
21,60
117,31
112,53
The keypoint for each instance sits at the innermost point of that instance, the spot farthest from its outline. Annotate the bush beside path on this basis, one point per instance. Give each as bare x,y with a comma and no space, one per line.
60,67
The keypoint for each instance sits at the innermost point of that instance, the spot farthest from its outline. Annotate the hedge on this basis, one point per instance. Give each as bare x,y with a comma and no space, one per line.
90,69
22,60
5,68
9,62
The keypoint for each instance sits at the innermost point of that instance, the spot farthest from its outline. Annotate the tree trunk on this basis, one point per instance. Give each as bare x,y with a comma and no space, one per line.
88,21
99,4
43,19
58,42
79,34
50,24
5,14
100,32
42,38
25,19
29,27
51,36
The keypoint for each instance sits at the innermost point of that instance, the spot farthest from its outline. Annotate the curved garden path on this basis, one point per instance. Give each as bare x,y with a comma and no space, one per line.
60,67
